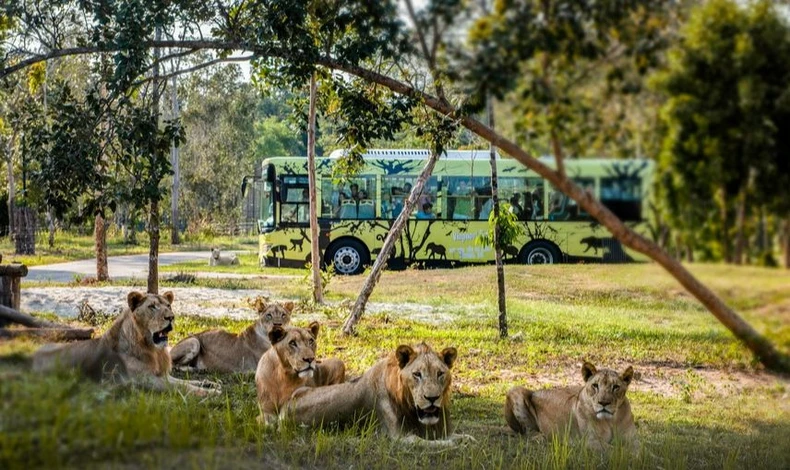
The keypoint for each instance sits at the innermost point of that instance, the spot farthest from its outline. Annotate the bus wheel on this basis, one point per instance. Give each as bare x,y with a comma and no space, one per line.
349,257
541,252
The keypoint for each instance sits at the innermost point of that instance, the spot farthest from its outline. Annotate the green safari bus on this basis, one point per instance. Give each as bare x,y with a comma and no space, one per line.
354,215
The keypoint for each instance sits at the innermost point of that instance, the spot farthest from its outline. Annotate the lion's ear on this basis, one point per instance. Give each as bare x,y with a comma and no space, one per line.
588,370
628,375
289,306
134,299
448,356
169,296
404,354
315,327
276,334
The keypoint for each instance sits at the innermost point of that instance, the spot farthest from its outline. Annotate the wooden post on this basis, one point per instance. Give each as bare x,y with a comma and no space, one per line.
10,283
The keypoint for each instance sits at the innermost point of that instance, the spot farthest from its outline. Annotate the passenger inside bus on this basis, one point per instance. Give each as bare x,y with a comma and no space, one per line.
515,207
462,210
426,212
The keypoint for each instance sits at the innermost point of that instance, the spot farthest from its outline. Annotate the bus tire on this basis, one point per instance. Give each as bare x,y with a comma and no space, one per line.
348,256
541,252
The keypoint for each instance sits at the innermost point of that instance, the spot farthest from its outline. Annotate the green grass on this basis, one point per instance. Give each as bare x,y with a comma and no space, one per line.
701,400
71,247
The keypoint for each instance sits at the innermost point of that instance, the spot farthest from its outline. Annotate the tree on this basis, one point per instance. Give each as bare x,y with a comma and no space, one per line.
219,122
367,39
726,139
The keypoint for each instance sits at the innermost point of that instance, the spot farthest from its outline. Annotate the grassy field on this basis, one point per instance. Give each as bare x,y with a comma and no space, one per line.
700,400
71,247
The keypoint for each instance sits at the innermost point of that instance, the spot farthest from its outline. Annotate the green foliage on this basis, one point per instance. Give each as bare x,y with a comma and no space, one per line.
510,229
569,68
726,119
275,138
219,122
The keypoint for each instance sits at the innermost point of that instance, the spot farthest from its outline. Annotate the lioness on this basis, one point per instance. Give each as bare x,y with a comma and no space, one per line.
290,365
220,351
598,410
134,348
409,393
219,260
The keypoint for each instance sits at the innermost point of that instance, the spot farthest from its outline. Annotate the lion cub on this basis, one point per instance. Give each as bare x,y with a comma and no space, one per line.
133,349
221,351
218,259
598,410
290,365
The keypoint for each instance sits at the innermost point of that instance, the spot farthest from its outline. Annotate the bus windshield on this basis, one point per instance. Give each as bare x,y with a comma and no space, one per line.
266,222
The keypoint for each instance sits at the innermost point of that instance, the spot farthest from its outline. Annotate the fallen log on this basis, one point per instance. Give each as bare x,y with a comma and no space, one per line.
15,316
52,334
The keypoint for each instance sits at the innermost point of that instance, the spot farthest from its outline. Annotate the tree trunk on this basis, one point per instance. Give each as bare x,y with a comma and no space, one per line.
153,216
153,251
740,221
11,186
315,251
25,223
500,268
51,228
50,334
786,242
726,249
389,242
12,315
175,238
100,237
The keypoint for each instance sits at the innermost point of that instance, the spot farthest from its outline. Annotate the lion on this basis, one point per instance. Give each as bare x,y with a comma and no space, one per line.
598,411
408,392
133,349
221,351
218,259
290,365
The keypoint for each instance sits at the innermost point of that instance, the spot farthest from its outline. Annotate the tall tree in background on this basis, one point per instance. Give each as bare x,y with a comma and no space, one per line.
220,123
727,121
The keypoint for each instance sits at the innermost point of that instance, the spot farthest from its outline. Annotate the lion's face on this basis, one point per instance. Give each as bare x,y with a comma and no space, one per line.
215,253
427,376
296,348
153,315
605,389
274,314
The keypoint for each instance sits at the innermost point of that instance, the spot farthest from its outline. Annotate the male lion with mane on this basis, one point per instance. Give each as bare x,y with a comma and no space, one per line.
290,365
408,392
221,351
133,349
598,411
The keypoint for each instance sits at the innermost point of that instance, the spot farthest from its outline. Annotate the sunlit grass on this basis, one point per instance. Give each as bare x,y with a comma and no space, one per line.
702,401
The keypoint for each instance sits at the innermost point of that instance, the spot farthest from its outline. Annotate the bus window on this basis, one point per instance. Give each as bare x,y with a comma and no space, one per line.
623,196
396,189
513,191
533,199
354,198
295,207
561,207
460,205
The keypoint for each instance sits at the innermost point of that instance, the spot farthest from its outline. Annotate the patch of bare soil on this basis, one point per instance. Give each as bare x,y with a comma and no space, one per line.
199,301
672,380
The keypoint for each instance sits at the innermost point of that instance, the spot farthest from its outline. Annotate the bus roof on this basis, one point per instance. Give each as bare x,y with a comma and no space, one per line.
421,154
